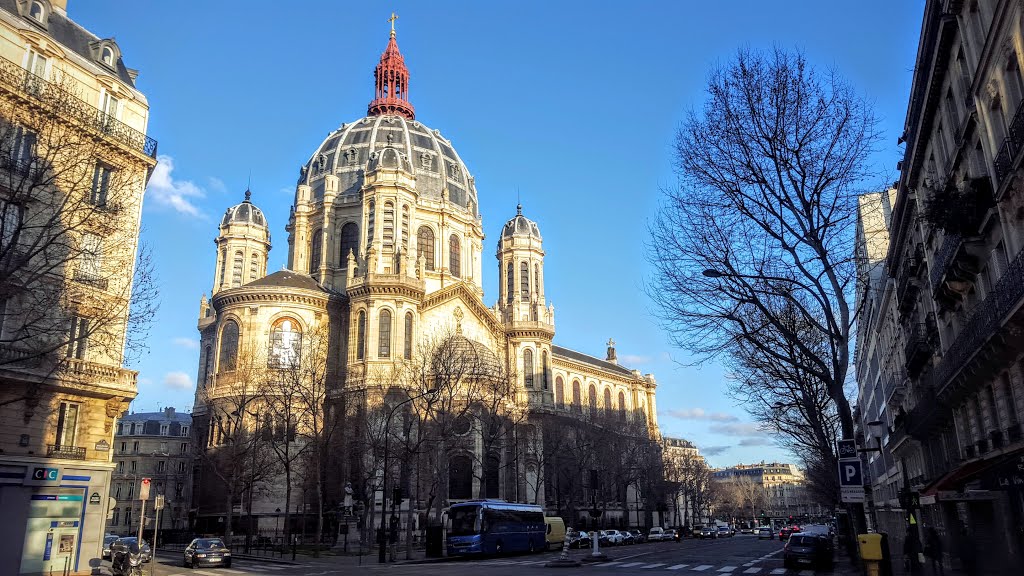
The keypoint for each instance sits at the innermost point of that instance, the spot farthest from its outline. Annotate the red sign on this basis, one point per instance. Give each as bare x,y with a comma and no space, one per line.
144,490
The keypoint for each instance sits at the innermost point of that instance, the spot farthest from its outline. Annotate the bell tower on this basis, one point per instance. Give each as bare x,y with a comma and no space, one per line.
243,246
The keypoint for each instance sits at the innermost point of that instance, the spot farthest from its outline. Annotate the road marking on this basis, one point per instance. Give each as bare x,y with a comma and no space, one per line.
806,572
726,568
652,566
631,564
753,570
233,571
205,573
635,555
779,571
677,567
701,568
531,562
607,564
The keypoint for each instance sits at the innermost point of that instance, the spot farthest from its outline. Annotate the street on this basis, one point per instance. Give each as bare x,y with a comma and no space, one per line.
741,554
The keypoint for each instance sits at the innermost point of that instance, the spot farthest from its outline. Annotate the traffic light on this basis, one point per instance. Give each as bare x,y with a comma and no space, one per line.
763,514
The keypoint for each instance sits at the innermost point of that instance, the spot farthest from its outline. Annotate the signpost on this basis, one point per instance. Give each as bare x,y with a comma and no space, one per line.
143,495
851,481
158,505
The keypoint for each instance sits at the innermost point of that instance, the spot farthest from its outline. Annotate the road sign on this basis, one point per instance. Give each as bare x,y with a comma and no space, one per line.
848,450
144,490
850,473
159,502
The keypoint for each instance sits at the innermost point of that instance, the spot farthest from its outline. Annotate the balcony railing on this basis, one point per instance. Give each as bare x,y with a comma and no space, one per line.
68,104
65,452
93,280
919,348
906,283
987,317
944,257
1011,147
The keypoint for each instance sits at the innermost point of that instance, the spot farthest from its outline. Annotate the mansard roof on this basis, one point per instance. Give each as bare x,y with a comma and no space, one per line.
592,361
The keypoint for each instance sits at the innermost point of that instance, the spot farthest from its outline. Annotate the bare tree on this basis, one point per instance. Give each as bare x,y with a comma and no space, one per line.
751,494
70,207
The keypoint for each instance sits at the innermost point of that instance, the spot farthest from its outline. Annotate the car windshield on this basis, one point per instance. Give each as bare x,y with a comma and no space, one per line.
209,543
803,540
465,520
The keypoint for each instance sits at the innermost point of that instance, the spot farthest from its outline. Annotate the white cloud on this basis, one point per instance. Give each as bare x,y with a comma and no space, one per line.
178,381
216,184
737,429
756,441
143,381
187,343
700,414
631,359
178,195
714,450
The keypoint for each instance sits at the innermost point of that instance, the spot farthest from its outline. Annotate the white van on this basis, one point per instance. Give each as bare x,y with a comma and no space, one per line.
554,532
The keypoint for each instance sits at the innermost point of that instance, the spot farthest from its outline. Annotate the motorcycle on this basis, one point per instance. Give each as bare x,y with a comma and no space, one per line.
126,561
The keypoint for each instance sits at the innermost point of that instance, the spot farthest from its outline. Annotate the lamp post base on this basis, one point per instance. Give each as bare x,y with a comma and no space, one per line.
598,557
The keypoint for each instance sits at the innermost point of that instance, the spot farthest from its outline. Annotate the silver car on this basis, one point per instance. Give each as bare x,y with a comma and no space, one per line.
107,541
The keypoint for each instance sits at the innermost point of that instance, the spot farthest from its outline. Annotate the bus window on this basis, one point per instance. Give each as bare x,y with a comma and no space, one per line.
465,521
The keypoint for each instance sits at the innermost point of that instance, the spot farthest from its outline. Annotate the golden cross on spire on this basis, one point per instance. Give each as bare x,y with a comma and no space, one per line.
392,20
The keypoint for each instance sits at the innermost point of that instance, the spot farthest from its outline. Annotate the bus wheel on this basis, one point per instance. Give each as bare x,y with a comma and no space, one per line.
498,547
532,549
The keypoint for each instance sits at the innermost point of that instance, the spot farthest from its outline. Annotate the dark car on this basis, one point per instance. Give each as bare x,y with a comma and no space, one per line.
808,550
107,541
764,532
786,531
207,552
123,543
577,539
628,537
638,536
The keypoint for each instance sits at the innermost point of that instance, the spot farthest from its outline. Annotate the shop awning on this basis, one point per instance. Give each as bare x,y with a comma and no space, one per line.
955,478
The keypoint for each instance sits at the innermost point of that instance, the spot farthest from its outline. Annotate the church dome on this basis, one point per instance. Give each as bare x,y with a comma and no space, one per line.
244,213
520,226
391,142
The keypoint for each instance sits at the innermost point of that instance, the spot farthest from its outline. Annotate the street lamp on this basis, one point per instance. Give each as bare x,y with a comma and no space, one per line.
277,522
381,534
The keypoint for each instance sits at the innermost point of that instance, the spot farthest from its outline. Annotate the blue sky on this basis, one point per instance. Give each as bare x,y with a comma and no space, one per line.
570,105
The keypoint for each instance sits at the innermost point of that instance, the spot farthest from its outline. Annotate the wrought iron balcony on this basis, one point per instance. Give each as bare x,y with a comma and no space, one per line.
65,452
93,280
919,348
907,286
68,105
1007,155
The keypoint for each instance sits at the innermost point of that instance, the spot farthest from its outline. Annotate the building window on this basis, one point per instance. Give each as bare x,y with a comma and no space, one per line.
135,450
361,335
228,346
164,429
37,66
207,364
179,489
528,368
116,516
384,340
160,466
405,228
36,12
408,336
510,282
109,106
120,466
285,344
254,267
370,217
607,400
124,447
454,256
184,430
163,447
315,246
90,259
78,337
559,391
576,401
184,448
524,282
236,270
544,369
388,233
223,266
622,404
536,279
425,246
107,56
592,400
67,424
349,243
100,185
128,511
133,466
181,467
10,225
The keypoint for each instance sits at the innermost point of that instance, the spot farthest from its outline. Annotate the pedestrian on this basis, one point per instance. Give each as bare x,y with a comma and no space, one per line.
911,552
933,550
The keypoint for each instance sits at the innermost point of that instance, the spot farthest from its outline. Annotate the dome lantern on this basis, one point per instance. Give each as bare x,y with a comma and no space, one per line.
391,82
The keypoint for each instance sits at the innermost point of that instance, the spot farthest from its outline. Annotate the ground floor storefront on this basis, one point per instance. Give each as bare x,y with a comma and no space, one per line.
54,512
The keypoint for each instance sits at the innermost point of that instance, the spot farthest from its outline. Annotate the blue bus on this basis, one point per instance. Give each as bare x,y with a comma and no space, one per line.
495,527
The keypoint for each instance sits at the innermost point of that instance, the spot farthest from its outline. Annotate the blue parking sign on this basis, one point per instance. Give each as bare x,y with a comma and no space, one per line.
850,473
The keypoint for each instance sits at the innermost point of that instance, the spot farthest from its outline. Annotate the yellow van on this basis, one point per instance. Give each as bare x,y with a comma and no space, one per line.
554,530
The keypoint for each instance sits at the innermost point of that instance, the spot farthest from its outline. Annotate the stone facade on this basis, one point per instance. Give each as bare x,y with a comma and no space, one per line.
75,159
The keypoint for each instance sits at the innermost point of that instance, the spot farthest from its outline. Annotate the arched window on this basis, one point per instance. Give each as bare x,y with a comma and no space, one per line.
408,336
384,335
107,56
536,279
405,228
228,346
544,369
607,400
592,400
285,344
254,266
223,266
559,391
388,232
576,401
36,12
454,257
492,473
528,368
361,336
460,478
370,217
236,270
315,251
207,364
524,282
349,242
510,282
425,246
622,404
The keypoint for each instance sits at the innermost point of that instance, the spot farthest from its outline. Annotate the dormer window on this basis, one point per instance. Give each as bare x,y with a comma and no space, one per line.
107,56
37,12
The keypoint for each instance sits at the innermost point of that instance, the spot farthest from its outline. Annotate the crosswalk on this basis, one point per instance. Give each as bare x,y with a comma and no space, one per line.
709,569
247,570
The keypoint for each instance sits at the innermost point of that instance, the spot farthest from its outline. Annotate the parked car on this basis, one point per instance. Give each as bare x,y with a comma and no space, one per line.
724,531
578,538
107,541
554,532
786,531
707,532
677,534
808,550
765,532
207,552
747,530
656,534
638,536
628,537
124,542
613,537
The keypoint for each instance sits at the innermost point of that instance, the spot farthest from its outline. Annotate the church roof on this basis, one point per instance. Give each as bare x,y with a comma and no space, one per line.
587,359
244,213
520,226
287,279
